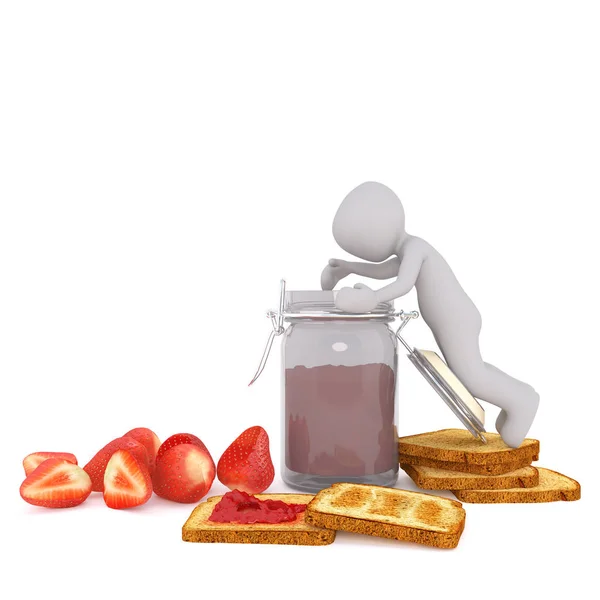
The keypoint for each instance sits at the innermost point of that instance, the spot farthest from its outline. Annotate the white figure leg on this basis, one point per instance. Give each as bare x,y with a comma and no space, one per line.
518,400
500,420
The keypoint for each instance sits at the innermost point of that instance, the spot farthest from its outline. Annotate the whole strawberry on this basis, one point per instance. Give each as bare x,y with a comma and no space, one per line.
246,465
184,470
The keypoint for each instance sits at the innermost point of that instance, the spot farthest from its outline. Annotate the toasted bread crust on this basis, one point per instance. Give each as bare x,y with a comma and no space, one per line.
506,497
385,530
463,467
199,529
459,446
438,479
277,536
553,487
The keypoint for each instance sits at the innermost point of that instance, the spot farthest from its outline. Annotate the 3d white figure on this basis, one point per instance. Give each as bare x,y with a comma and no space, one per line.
369,224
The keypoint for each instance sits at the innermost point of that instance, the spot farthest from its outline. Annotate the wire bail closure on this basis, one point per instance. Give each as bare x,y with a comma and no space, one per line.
278,329
405,318
277,320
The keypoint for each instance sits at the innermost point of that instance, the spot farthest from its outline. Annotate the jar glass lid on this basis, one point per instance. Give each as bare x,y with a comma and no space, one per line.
448,386
320,304
451,391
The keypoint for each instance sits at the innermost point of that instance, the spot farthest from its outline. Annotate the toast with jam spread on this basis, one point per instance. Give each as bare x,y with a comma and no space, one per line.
388,513
198,527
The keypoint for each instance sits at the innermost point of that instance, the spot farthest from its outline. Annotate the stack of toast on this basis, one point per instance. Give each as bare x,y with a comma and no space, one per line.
452,459
356,508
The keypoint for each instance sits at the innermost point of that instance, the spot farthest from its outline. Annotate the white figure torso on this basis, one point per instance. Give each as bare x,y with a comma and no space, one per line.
443,303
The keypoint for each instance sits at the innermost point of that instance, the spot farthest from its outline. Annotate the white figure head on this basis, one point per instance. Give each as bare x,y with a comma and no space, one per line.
369,224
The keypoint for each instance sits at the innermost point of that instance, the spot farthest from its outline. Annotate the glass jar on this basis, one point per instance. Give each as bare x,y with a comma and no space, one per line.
339,374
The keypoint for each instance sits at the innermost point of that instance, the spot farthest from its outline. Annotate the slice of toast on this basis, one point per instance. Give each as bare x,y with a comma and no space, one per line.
458,450
388,513
199,529
430,478
552,487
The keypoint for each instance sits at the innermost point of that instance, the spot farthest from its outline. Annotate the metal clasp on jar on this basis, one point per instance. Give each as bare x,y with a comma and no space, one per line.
278,329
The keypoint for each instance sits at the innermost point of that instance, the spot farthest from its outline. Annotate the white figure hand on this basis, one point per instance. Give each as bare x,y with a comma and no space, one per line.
334,272
359,299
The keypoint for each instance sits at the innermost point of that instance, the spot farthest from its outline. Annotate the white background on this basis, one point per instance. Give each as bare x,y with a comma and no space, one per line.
164,164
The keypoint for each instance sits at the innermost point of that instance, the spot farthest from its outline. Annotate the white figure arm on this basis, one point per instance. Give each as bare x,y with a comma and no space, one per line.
361,298
338,269
410,267
384,270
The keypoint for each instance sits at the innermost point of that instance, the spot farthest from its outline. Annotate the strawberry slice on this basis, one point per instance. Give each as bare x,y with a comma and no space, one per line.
56,483
127,482
184,473
246,465
149,440
96,467
32,461
176,440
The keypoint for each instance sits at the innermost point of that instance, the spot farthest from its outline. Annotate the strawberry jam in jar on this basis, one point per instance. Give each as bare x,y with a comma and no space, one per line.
339,374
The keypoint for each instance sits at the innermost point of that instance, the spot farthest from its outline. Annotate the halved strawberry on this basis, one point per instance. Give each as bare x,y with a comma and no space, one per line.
96,467
56,483
127,482
149,440
246,465
184,473
176,440
33,461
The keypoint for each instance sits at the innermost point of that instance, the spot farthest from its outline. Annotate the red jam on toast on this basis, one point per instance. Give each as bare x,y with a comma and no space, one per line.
239,507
